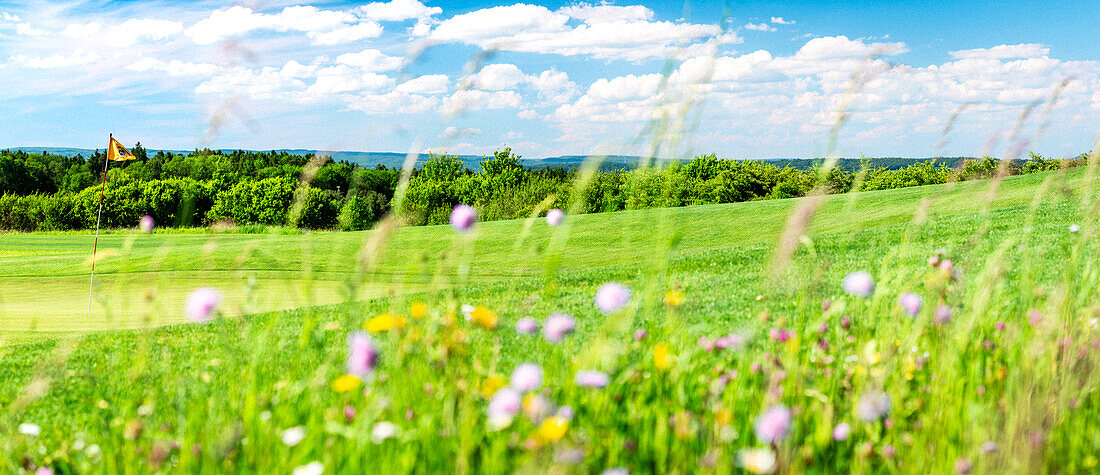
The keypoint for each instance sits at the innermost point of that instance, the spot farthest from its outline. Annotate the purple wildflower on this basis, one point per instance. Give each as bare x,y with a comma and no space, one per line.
640,334
612,296
592,379
841,431
911,303
557,326
942,315
774,424
527,377
463,218
555,216
202,303
873,406
859,283
146,224
362,354
506,403
527,326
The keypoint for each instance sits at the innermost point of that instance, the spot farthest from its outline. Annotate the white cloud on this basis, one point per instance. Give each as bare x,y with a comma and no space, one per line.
236,21
397,10
26,29
552,86
346,34
496,77
342,79
778,20
759,27
394,102
174,67
475,99
451,133
77,58
82,30
370,60
536,29
1004,52
429,84
607,13
140,30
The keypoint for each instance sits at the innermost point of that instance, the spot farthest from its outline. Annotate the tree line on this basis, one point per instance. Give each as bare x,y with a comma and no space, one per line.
206,187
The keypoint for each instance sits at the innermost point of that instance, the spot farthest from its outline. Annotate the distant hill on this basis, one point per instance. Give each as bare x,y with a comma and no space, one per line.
610,162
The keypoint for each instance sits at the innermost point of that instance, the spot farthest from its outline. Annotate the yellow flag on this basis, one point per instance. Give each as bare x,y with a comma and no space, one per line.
117,153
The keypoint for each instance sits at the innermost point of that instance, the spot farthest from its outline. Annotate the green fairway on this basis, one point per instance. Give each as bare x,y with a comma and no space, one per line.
1011,363
142,279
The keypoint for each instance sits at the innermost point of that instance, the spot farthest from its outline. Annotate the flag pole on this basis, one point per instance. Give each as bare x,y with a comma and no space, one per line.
99,214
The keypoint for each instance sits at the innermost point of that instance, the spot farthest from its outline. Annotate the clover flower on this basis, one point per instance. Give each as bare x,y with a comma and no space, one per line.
527,377
592,379
841,431
555,217
557,326
146,224
503,407
362,355
910,303
612,296
527,326
774,424
463,218
859,283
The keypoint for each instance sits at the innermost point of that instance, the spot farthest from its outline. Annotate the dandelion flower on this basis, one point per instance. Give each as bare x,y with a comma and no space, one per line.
910,303
346,383
362,355
527,326
418,310
873,406
859,283
592,379
146,224
484,317
557,326
774,424
757,460
661,357
555,217
293,436
553,428
527,377
463,218
674,298
491,385
383,430
202,304
384,322
611,297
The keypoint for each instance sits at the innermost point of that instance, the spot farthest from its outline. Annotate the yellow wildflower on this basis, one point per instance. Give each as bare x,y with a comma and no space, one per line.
346,383
384,322
418,310
553,428
484,317
491,385
661,359
723,417
674,298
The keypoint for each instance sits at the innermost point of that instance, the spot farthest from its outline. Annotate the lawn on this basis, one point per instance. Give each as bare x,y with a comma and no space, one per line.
1004,382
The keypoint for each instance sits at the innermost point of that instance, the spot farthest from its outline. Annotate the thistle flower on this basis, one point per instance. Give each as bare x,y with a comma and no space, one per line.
146,224
293,436
557,326
859,283
527,377
463,218
780,335
942,315
774,424
873,406
527,326
910,303
611,297
555,217
731,341
202,303
362,355
757,460
383,430
592,379
504,406
841,431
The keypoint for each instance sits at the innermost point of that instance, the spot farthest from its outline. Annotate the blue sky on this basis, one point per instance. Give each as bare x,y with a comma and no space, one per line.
761,79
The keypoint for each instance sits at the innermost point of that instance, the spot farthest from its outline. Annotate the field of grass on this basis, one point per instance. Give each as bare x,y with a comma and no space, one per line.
1006,385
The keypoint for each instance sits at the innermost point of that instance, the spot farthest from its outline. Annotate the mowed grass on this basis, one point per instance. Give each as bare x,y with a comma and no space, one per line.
142,279
222,396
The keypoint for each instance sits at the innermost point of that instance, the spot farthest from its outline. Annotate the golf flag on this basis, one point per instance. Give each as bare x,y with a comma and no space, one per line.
117,153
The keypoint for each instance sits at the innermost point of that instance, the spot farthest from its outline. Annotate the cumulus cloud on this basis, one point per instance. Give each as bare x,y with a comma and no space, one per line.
174,67
607,13
429,84
778,20
77,58
236,21
759,27
397,10
370,60
476,99
536,29
552,86
1029,50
